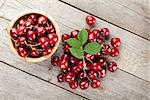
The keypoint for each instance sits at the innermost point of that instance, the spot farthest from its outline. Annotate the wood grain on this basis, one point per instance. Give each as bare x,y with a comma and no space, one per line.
120,85
16,85
121,13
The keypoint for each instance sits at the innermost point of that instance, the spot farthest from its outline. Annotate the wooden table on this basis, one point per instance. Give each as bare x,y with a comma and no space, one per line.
127,19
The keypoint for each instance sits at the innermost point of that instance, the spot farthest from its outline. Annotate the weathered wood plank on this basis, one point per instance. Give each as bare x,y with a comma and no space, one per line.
17,85
119,12
119,85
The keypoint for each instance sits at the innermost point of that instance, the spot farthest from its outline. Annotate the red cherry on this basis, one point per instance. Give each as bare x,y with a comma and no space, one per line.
60,78
81,75
54,60
69,76
73,84
75,69
95,83
32,17
73,60
97,55
13,33
21,40
88,31
112,66
106,49
64,65
89,57
66,47
91,37
84,84
21,30
101,73
34,53
100,40
105,32
64,57
80,64
96,66
42,20
115,42
41,31
53,38
88,66
31,35
21,21
47,51
43,42
96,32
30,23
50,29
22,51
65,37
92,74
114,52
103,61
74,33
90,20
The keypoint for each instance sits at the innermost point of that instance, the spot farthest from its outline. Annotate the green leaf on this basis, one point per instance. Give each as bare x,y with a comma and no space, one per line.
74,42
77,52
92,48
83,36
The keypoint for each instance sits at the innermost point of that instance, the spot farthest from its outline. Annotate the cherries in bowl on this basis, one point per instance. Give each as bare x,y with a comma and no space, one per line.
34,35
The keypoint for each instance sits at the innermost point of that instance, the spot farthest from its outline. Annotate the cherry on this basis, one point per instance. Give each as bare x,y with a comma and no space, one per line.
91,37
47,51
88,30
101,73
100,40
64,57
32,17
13,33
81,75
41,31
21,21
43,42
89,57
53,38
112,66
106,49
60,78
65,37
90,20
96,66
84,84
92,74
30,23
63,65
75,69
115,42
22,52
97,55
88,66
66,47
54,60
34,53
42,20
73,60
102,61
69,76
80,64
31,35
105,32
21,40
73,84
95,83
21,30
50,29
74,33
114,52
96,32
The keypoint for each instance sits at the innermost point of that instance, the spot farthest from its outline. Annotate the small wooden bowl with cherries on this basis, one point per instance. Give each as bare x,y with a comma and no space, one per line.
34,36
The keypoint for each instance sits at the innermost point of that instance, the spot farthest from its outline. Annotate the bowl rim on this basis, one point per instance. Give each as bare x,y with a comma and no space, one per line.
30,11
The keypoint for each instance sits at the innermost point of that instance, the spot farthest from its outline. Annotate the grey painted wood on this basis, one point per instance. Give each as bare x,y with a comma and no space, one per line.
17,85
120,85
130,14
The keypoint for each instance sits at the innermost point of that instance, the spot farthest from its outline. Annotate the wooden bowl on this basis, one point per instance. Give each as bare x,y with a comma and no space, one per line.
29,59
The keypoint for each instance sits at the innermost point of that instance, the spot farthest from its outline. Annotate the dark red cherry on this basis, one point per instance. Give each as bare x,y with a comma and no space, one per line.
112,66
60,78
55,60
53,38
90,20
50,29
74,33
88,30
65,37
22,52
92,74
42,20
69,76
73,60
73,84
32,17
21,30
66,47
96,66
114,52
43,42
21,21
13,33
95,83
116,42
21,40
64,57
105,32
96,32
47,51
41,31
34,53
91,37
106,49
31,35
81,75
75,69
84,84
101,73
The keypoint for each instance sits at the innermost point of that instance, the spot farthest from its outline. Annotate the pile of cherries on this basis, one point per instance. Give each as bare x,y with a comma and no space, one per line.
33,35
72,69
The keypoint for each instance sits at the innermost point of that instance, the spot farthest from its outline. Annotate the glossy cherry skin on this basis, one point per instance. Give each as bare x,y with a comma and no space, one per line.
96,32
60,78
114,52
84,84
105,32
41,31
21,40
65,37
95,83
91,37
64,66
13,33
50,29
42,20
32,17
116,42
54,60
44,42
112,66
92,74
75,69
53,38
34,53
73,84
90,20
100,40
47,51
21,30
73,60
64,57
89,57
69,76
80,64
21,21
66,47
22,52
81,75
74,33
106,49
101,73
31,35
96,66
